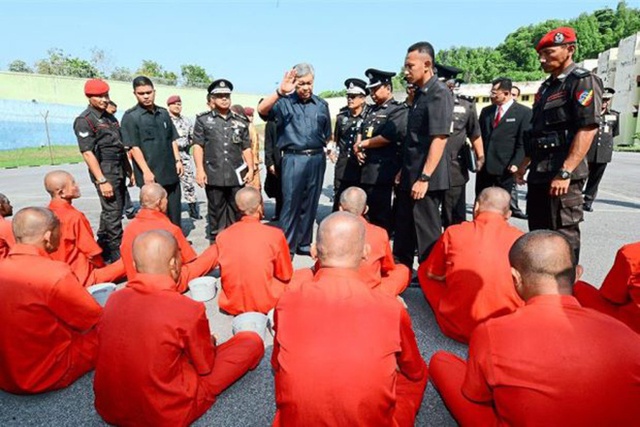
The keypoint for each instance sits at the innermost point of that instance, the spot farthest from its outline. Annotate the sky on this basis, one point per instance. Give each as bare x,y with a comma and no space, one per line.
252,43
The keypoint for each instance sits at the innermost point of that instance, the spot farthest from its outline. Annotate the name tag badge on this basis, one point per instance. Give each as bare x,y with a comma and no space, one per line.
510,120
369,131
459,109
606,129
165,125
610,118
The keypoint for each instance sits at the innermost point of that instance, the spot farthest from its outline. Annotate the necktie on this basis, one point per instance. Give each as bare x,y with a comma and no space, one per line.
498,116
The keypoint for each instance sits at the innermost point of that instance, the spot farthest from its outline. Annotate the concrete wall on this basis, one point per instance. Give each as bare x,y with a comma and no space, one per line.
626,81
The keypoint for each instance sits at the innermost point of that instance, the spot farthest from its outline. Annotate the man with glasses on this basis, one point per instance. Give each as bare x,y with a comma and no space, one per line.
100,143
378,146
566,116
222,154
149,131
346,131
503,125
303,128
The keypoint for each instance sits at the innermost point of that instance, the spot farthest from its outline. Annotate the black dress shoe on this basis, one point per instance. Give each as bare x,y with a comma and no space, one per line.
587,207
519,214
304,250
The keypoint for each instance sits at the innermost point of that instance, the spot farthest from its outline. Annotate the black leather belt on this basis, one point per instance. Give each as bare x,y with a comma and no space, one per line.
308,152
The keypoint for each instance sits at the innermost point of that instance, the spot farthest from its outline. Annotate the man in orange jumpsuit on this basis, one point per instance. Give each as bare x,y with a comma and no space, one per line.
158,364
619,295
552,362
343,353
467,277
255,264
47,334
152,216
78,247
6,234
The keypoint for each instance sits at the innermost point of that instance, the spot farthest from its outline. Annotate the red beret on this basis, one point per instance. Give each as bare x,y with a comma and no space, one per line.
248,111
173,99
557,37
94,87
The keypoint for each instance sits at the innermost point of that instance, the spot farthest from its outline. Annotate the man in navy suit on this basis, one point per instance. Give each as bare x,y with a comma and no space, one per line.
502,125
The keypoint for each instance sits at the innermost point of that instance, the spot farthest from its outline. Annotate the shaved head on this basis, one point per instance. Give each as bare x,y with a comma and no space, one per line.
354,201
544,260
3,199
56,181
249,200
5,206
36,226
341,241
155,252
493,199
151,196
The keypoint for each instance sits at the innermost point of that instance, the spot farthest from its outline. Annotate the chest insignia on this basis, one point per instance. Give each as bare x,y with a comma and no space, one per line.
585,97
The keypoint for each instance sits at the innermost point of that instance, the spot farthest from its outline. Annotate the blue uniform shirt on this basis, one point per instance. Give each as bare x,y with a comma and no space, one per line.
301,125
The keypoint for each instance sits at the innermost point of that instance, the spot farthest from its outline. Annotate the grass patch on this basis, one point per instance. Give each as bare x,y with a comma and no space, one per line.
39,156
635,148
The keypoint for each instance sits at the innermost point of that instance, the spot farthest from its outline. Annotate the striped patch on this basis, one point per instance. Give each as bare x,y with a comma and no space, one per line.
585,97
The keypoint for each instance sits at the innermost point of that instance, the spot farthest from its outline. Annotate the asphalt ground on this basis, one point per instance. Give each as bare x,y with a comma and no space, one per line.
250,402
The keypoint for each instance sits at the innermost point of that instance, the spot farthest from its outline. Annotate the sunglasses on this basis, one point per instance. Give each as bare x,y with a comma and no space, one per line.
350,96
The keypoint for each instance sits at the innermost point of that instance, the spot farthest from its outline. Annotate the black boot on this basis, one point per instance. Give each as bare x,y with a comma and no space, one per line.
194,211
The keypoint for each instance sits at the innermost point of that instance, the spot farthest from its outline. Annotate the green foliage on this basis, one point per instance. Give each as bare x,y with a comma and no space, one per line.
122,74
516,56
195,76
19,66
333,93
60,64
156,72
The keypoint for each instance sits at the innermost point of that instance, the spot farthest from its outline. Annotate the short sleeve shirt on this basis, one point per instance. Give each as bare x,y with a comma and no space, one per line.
99,132
301,125
430,115
465,125
153,132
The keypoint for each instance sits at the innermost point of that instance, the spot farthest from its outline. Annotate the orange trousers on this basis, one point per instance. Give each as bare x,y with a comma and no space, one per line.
109,273
447,375
395,281
590,297
234,358
200,266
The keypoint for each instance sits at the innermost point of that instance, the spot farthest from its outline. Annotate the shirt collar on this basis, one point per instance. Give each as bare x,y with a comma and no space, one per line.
566,71
97,112
249,218
296,99
555,300
146,213
60,204
429,83
489,217
505,106
345,273
24,249
148,283
144,110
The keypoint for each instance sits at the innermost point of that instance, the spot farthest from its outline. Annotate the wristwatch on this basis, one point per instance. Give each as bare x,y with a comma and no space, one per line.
564,174
101,181
424,177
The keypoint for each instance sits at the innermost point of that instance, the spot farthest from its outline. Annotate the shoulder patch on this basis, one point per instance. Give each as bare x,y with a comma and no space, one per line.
581,72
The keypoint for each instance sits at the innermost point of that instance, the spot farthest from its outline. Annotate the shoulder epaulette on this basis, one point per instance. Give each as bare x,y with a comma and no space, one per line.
581,72
239,116
131,109
467,98
343,110
204,113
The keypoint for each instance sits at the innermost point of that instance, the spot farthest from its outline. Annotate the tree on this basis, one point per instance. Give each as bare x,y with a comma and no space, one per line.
101,60
194,76
154,70
60,64
19,66
122,74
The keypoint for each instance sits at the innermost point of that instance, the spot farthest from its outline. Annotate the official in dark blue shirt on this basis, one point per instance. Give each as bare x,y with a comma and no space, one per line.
303,129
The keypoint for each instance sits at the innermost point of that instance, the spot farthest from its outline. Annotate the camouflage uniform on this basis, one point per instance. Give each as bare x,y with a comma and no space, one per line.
188,178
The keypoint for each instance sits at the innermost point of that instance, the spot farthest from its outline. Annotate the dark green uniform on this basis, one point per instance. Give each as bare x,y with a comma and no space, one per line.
99,132
562,106
600,154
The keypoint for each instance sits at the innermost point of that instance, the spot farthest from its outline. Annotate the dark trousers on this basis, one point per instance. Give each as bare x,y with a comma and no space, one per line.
302,177
222,208
596,172
379,201
485,180
562,214
454,206
174,207
338,188
514,198
110,228
418,223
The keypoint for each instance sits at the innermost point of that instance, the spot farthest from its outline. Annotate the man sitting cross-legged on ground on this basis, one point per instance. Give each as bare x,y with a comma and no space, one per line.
6,234
619,295
158,364
552,362
152,216
378,270
255,264
78,247
343,353
47,334
467,277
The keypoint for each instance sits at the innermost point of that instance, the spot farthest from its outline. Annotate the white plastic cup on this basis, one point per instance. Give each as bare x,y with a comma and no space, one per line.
250,321
101,292
203,288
